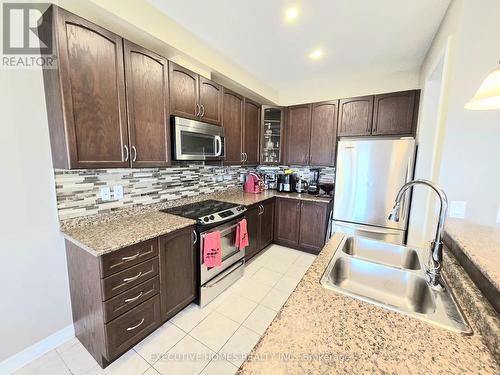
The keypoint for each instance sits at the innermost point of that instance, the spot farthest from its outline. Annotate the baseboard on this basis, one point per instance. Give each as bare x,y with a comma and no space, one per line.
36,350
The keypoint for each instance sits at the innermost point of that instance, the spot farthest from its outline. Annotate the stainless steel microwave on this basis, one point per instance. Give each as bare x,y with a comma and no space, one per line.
195,140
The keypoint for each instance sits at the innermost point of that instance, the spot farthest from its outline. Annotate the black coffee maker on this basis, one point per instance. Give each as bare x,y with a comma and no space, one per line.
314,182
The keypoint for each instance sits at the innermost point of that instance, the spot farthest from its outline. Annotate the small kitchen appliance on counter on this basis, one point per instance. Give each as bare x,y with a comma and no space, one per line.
313,187
325,190
253,184
286,182
301,185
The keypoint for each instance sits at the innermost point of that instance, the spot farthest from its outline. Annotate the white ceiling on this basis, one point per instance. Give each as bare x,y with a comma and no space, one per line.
359,37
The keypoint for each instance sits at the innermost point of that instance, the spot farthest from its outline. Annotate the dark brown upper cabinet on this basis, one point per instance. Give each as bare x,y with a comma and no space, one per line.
323,133
210,101
233,107
355,116
85,95
272,135
183,91
395,113
298,130
193,96
251,132
146,76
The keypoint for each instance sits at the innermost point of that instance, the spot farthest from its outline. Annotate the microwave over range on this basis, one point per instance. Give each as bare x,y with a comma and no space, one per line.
195,140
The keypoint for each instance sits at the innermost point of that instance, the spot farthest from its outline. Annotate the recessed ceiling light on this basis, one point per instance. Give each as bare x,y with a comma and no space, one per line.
291,13
316,54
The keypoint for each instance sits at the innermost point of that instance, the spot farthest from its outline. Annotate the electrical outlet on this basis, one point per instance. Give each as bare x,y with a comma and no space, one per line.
498,214
457,209
105,193
220,178
118,192
227,177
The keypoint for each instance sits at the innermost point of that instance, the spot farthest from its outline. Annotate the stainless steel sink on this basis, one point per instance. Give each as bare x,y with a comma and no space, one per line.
393,277
382,252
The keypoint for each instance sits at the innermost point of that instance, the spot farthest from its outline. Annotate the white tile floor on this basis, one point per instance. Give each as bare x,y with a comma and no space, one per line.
212,340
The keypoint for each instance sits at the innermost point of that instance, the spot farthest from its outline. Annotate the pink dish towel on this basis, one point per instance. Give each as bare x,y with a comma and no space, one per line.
212,249
242,235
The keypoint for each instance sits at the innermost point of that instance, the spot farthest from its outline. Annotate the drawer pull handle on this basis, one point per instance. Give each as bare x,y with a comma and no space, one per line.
131,257
136,326
133,298
127,279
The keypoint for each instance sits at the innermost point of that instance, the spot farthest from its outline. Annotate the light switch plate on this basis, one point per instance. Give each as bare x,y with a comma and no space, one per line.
498,214
227,177
457,209
118,192
220,178
105,193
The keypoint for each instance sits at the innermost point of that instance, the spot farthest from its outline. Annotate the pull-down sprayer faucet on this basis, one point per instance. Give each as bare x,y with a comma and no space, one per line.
436,250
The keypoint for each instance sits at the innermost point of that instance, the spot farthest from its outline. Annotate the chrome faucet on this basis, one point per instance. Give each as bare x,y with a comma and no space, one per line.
433,270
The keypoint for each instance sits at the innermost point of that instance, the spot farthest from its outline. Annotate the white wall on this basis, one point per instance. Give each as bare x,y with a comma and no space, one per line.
35,294
468,157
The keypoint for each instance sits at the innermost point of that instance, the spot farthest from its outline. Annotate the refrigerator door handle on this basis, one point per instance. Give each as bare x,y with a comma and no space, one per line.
371,229
407,179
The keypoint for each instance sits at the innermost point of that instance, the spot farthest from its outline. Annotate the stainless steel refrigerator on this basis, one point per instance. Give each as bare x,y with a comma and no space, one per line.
369,174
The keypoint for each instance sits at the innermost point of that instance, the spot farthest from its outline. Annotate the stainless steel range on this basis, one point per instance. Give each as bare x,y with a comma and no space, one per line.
212,215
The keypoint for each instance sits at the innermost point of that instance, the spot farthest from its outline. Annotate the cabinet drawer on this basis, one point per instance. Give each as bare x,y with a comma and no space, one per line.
135,296
124,280
128,256
128,329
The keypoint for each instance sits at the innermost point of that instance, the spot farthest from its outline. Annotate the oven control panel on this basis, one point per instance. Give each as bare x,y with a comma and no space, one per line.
222,215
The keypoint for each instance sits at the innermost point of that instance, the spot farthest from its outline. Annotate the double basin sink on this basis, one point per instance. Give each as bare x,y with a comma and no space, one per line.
393,277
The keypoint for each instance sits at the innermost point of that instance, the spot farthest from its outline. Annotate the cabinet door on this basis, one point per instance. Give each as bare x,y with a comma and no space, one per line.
251,132
286,225
146,77
266,223
253,226
210,101
92,81
233,124
298,129
355,116
183,91
394,113
323,133
177,271
313,221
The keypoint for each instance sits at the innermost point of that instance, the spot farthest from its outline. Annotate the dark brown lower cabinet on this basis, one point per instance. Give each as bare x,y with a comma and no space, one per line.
119,298
301,224
260,218
313,223
286,224
177,271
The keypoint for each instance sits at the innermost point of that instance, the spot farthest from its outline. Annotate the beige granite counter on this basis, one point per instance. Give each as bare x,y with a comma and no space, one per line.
319,331
113,235
248,199
101,234
480,243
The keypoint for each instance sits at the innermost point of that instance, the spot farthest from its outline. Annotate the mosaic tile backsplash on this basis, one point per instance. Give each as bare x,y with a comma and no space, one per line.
79,191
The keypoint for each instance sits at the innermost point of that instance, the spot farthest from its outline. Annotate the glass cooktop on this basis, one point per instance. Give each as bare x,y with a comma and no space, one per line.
199,209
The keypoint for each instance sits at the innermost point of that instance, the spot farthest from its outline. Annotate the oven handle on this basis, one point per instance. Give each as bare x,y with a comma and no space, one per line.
228,229
224,274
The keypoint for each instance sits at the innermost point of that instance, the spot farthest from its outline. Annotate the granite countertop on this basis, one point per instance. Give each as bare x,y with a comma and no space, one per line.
319,331
102,234
113,235
480,243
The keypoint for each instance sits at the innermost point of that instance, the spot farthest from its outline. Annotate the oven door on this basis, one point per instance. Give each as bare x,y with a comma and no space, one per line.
195,140
230,253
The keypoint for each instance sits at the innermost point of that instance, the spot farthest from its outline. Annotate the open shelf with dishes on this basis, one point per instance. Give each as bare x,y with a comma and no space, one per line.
272,135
